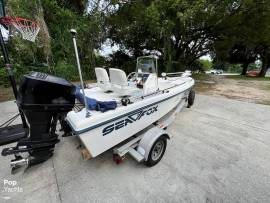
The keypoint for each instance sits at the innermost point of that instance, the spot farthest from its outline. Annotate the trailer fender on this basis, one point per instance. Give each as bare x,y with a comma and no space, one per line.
149,139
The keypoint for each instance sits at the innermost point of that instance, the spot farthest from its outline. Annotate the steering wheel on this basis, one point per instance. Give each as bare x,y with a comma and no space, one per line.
131,77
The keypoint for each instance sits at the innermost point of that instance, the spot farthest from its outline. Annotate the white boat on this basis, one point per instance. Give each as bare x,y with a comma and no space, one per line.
142,99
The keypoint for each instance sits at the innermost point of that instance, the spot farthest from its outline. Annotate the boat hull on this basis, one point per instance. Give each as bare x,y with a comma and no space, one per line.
99,138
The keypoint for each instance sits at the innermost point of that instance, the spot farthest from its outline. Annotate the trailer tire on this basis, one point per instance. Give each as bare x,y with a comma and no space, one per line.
157,151
191,98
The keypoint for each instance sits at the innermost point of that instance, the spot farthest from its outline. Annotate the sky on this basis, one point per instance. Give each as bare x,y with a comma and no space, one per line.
206,57
106,48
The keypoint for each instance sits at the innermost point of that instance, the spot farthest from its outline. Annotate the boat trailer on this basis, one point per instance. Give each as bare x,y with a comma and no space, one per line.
149,145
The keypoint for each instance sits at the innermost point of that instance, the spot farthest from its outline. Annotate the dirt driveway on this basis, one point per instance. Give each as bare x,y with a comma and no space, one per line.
235,87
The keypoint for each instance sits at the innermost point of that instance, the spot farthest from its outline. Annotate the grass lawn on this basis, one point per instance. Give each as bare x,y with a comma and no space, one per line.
267,87
203,82
201,76
242,77
243,88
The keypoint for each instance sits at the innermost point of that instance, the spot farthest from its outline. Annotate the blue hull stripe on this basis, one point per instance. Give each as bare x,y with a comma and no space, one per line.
121,116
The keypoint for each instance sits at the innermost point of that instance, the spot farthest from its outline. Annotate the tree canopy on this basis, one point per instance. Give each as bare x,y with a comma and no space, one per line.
178,31
182,31
246,36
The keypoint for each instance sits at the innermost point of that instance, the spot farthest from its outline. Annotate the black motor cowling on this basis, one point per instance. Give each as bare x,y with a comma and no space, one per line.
44,99
40,91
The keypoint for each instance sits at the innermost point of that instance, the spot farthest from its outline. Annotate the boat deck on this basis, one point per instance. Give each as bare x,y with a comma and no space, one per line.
94,92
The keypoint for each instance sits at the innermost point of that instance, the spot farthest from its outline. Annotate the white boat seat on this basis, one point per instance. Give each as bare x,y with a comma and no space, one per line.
103,80
120,84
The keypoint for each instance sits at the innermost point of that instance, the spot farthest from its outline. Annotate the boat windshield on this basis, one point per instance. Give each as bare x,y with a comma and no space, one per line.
146,64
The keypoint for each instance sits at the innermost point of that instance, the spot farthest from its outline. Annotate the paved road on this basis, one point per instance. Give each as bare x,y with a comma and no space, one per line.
220,153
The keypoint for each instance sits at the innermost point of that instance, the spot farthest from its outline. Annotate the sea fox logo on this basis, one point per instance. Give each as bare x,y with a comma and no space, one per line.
133,117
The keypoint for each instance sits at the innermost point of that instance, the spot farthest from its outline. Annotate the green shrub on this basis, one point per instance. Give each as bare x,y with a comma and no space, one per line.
3,77
67,71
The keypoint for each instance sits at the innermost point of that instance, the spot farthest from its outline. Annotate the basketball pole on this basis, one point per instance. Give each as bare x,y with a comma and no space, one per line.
11,75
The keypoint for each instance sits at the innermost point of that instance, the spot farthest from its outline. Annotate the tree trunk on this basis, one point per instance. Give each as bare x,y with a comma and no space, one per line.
245,67
44,38
265,66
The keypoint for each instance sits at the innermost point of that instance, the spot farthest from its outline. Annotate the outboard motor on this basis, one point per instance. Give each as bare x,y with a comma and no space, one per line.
44,99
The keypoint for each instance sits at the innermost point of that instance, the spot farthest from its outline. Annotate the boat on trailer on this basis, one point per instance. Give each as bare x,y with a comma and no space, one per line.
142,99
129,113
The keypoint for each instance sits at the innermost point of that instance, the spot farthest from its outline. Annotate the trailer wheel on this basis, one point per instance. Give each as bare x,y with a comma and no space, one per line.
157,151
191,98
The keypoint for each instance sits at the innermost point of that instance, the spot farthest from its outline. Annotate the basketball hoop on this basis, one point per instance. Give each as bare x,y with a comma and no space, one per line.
28,28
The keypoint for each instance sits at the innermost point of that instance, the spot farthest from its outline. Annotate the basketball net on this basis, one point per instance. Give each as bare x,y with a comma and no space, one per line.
29,29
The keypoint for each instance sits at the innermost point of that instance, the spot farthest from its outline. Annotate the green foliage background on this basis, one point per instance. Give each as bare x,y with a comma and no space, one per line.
53,50
234,32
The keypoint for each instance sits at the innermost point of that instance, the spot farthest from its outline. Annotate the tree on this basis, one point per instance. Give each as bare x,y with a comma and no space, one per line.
120,59
244,36
53,45
206,64
78,6
181,31
265,57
